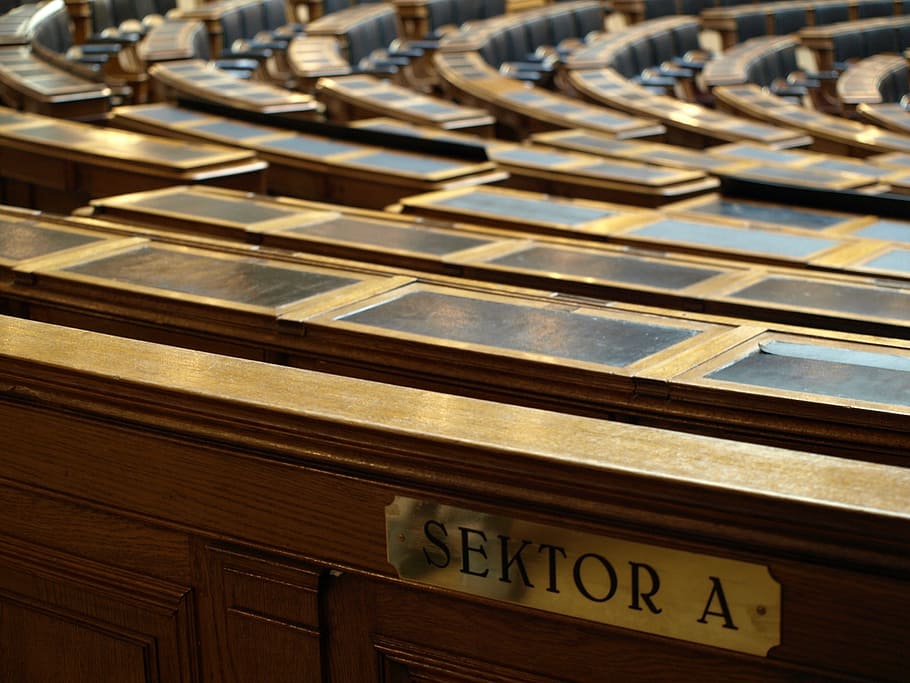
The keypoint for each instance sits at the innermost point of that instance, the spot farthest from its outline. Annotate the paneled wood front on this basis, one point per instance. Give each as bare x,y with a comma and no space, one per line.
169,515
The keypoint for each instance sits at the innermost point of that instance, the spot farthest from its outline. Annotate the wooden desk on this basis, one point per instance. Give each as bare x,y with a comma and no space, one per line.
601,271
524,110
316,167
890,116
687,124
199,80
349,98
503,343
575,174
862,82
31,84
273,566
59,165
524,211
830,134
17,26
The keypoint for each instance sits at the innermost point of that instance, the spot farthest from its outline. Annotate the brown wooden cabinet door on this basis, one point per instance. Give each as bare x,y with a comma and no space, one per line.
69,619
260,619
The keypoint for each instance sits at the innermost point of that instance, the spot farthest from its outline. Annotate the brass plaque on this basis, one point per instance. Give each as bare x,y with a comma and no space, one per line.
698,598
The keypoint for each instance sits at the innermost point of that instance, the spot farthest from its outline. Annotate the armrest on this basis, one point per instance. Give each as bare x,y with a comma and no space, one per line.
114,36
100,48
424,44
693,59
95,61
668,70
803,80
783,88
652,78
405,53
242,49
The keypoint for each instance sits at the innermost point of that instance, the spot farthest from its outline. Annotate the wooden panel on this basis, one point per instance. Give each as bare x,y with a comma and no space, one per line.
107,624
264,618
288,473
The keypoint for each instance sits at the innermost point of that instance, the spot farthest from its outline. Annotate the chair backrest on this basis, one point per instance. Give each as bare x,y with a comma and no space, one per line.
440,13
664,46
642,54
252,19
624,63
494,51
231,27
275,14
694,7
330,6
832,14
867,9
54,32
751,25
587,19
788,20
878,40
562,26
517,44
848,46
659,8
539,33
491,8
895,84
131,9
102,15
686,38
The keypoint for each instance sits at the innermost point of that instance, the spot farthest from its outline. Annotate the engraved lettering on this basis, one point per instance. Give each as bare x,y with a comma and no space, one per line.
467,549
579,584
552,550
636,587
717,593
515,559
438,542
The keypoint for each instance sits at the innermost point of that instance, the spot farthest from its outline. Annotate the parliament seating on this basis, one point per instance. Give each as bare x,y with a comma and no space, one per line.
722,160
889,116
315,165
203,81
836,44
235,34
359,96
57,165
574,266
175,515
522,109
39,72
830,134
361,39
576,356
223,515
876,79
18,25
636,70
688,124
738,23
566,173
315,9
707,236
429,20
174,39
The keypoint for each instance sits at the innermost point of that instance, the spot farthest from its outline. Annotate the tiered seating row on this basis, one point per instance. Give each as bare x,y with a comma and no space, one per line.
578,357
60,165
316,166
250,450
